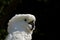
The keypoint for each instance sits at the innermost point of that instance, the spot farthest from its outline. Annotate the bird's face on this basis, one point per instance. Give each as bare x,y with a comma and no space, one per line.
22,21
31,22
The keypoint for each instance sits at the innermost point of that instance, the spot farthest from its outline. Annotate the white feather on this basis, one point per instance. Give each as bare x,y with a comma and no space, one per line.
19,29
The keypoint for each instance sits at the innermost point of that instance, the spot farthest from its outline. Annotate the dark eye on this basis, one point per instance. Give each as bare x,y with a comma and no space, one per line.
25,19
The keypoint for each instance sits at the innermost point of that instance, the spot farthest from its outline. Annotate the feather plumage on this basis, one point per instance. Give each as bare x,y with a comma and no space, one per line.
19,27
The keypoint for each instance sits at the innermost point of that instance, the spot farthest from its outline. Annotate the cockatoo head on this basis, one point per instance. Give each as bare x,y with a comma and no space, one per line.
23,22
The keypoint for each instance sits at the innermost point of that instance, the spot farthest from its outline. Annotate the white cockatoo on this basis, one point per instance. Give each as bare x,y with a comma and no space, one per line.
20,27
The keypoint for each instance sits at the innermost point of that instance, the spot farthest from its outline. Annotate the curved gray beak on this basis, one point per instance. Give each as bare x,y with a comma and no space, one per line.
33,25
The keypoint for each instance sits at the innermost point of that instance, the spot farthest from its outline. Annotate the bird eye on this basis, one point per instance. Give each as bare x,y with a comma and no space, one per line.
25,20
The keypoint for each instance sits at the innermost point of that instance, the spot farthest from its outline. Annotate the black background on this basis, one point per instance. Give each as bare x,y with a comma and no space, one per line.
45,13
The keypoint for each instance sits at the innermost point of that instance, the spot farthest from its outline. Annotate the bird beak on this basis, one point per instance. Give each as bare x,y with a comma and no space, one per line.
33,25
